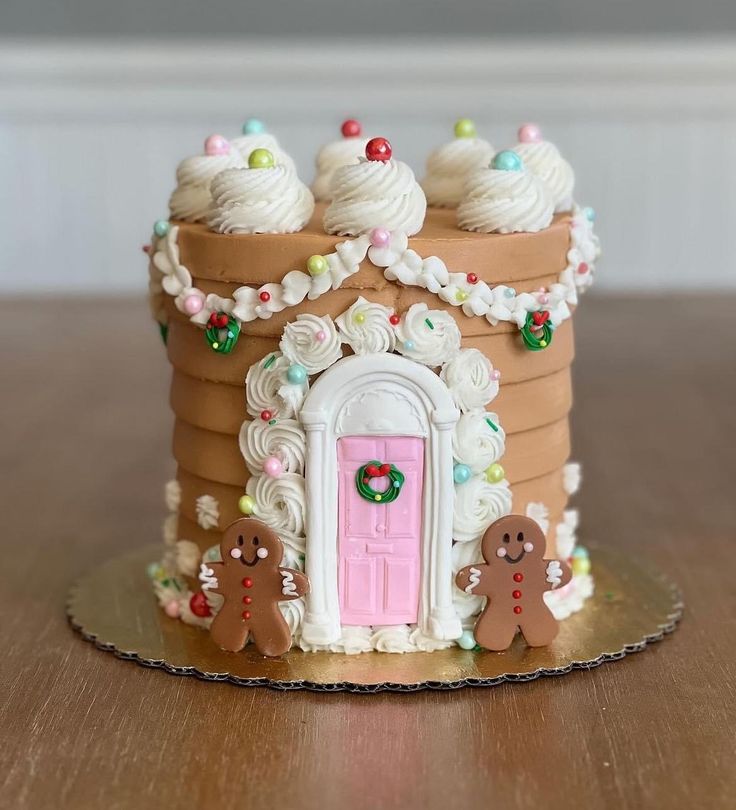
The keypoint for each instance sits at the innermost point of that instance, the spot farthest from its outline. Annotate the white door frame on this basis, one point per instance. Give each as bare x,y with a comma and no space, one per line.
379,395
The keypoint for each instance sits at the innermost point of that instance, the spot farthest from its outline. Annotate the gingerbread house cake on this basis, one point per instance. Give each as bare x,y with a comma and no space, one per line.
377,369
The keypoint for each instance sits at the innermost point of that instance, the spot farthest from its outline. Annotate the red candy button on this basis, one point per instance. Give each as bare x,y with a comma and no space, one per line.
515,594
246,614
517,609
518,577
247,582
378,149
247,600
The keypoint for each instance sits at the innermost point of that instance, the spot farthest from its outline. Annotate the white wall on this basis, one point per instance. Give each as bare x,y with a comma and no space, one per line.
90,135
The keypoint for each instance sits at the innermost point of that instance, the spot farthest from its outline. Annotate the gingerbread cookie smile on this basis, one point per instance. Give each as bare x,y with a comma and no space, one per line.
526,548
261,552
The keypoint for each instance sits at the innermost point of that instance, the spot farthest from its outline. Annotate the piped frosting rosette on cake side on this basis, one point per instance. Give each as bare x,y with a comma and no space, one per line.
255,137
449,165
377,192
505,198
543,159
263,198
344,152
191,198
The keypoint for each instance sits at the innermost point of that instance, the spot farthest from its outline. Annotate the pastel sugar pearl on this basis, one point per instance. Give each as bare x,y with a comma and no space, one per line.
216,145
509,292
260,159
296,374
528,547
236,553
317,265
495,375
501,552
495,473
461,473
409,345
152,570
466,640
589,213
321,336
507,161
172,609
253,127
379,237
359,318
246,504
273,467
262,553
161,227
530,133
193,304
465,128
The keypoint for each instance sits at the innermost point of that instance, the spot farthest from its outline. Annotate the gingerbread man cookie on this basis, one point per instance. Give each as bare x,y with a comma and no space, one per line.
251,579
514,578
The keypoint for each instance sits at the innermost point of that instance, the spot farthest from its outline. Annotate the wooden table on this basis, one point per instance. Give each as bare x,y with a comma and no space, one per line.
86,432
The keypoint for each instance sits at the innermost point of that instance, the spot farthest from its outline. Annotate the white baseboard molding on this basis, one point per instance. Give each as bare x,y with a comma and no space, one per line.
91,135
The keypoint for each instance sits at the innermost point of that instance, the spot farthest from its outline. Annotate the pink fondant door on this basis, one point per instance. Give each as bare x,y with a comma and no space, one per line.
379,546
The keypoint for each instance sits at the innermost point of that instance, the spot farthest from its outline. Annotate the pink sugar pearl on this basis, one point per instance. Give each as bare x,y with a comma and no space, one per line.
193,304
321,336
379,237
495,375
216,145
172,609
530,133
273,467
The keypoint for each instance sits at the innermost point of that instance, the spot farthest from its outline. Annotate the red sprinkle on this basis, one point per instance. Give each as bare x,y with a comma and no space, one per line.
350,128
583,268
394,320
267,416
378,149
247,582
472,278
246,614
247,600
518,577
265,296
516,594
517,609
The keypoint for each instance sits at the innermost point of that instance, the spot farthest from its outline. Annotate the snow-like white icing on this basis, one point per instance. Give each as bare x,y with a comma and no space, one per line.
311,341
407,266
448,168
431,337
332,156
293,612
191,198
391,638
169,529
366,328
281,504
283,439
208,511
470,378
571,477
565,534
172,495
267,388
543,159
187,557
477,504
262,200
424,643
354,640
563,602
539,513
245,144
501,201
584,251
375,194
478,440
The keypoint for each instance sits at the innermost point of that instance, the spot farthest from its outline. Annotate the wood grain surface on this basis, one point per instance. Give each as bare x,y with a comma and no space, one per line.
85,442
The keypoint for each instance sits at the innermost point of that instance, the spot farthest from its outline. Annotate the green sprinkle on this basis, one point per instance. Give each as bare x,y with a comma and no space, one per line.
271,360
429,323
272,422
491,425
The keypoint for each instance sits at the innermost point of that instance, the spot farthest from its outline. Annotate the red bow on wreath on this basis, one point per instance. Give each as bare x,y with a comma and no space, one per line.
372,471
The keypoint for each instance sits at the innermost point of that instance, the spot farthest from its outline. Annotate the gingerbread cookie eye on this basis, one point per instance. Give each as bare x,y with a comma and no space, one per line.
255,541
506,538
520,537
240,540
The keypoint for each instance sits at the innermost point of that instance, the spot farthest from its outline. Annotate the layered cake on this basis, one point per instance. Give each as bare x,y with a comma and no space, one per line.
373,371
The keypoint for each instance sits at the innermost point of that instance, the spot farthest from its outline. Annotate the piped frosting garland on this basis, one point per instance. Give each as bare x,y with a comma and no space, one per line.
531,312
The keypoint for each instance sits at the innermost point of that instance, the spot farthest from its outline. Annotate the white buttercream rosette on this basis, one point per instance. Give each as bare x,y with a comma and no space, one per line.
544,160
471,380
281,504
431,337
283,439
448,168
478,503
311,341
245,144
191,198
478,440
259,200
331,157
366,328
267,388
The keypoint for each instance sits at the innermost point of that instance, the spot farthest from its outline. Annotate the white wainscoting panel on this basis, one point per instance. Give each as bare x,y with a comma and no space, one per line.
90,136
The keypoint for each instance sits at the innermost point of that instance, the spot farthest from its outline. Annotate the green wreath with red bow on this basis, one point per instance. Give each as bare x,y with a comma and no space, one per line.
375,469
537,331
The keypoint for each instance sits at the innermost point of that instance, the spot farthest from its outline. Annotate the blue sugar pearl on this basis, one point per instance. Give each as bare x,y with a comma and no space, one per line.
466,640
507,161
461,473
296,374
396,484
589,213
253,127
152,569
580,553
409,345
161,227
509,292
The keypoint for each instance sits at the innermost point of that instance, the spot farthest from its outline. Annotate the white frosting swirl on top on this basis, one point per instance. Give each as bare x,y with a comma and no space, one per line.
375,194
366,328
191,198
281,504
448,168
267,388
245,144
469,376
544,160
477,443
271,200
500,201
283,439
478,503
311,342
331,157
428,336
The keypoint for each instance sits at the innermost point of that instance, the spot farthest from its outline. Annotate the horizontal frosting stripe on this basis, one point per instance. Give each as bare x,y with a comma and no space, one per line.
188,351
259,258
217,457
220,407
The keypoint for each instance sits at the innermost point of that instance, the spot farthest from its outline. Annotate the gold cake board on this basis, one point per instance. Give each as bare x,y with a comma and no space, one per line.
114,607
